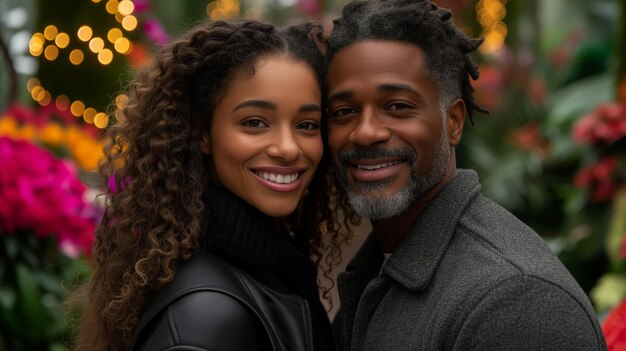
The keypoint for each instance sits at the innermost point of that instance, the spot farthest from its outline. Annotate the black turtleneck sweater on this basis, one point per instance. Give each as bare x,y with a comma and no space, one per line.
251,240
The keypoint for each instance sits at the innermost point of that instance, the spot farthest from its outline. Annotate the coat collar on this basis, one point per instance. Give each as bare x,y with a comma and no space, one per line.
416,259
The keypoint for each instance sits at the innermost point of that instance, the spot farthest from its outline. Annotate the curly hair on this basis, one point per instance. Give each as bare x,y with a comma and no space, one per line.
417,22
157,174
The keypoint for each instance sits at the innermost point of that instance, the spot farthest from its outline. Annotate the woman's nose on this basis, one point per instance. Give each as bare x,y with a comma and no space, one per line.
284,146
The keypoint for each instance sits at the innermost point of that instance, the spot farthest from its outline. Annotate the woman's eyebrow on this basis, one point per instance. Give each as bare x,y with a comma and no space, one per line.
256,103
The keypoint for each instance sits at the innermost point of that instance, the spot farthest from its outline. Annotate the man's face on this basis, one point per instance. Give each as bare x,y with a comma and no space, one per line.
386,132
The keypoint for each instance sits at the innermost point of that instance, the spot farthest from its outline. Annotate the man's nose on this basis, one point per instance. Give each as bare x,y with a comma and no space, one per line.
369,129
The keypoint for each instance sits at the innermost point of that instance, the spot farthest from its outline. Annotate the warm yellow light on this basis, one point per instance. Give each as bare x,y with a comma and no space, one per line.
126,7
122,45
129,22
105,56
46,99
77,108
32,83
119,17
119,116
111,6
101,120
37,92
84,33
130,48
121,101
96,1
223,9
51,52
96,44
40,36
89,114
77,57
62,102
50,32
62,40
114,34
35,46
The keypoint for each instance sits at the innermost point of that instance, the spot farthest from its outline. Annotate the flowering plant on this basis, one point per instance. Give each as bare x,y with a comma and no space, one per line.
56,129
46,222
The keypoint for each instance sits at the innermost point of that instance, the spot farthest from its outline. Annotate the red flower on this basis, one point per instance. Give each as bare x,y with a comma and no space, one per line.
600,177
614,328
605,124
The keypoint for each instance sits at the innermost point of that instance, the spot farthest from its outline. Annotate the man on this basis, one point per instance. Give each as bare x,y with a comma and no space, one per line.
462,273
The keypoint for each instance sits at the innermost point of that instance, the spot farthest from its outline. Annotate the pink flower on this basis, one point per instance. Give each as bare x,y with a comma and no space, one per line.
155,32
42,194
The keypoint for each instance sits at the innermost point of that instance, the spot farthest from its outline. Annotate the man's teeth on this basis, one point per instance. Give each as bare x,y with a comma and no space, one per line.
278,178
377,166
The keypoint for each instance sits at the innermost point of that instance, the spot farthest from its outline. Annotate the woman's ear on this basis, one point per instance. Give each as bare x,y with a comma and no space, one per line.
205,144
455,120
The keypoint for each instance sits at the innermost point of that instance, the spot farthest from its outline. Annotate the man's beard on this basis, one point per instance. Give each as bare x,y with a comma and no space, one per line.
369,200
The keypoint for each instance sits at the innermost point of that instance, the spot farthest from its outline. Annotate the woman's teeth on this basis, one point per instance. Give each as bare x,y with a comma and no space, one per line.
278,178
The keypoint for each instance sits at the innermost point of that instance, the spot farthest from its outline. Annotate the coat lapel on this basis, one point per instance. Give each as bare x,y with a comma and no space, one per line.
415,261
360,271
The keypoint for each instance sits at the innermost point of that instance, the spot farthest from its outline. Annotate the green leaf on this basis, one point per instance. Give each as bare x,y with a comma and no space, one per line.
28,308
48,282
11,246
57,347
7,297
576,99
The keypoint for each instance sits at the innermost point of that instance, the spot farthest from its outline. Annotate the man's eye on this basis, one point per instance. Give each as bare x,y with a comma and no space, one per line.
342,112
254,123
398,106
308,125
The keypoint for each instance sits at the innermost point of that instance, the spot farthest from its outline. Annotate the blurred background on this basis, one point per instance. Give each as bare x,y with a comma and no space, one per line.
552,150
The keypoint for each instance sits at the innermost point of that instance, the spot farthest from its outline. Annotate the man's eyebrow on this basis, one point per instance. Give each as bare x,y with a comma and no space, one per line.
256,103
341,95
396,87
310,108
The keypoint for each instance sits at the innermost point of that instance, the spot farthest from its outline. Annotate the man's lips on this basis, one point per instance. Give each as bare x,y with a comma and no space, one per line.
373,170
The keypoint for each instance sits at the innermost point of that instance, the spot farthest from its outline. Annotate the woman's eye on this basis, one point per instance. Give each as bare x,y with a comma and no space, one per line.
254,123
308,125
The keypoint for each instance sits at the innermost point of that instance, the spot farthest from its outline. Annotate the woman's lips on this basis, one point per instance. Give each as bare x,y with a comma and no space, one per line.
279,179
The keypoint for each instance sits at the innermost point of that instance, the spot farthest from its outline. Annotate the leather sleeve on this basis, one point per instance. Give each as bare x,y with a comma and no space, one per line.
528,313
206,320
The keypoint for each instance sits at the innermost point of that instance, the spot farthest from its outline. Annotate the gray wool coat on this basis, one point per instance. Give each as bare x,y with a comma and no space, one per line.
469,276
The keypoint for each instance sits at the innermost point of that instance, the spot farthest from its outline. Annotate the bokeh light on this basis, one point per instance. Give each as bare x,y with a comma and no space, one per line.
129,23
62,40
77,57
84,33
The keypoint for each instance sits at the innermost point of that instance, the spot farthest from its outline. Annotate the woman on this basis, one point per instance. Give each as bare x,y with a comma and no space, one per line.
216,204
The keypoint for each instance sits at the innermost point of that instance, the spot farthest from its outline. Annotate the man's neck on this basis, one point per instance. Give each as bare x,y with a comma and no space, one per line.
391,231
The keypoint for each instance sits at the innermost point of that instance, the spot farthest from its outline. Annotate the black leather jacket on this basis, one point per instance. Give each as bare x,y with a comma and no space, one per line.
213,305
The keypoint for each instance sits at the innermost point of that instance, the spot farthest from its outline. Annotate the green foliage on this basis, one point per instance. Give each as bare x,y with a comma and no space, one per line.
524,150
35,281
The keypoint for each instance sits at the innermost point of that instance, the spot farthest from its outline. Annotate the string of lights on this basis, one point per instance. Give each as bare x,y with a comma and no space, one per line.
51,43
490,14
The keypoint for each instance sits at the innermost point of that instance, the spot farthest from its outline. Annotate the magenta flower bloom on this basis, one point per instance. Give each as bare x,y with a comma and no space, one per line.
43,195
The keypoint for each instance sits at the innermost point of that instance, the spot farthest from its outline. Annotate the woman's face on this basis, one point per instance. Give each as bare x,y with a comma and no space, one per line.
265,139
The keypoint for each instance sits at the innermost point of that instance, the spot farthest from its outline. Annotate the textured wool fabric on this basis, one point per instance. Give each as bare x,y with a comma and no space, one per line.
468,276
247,238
